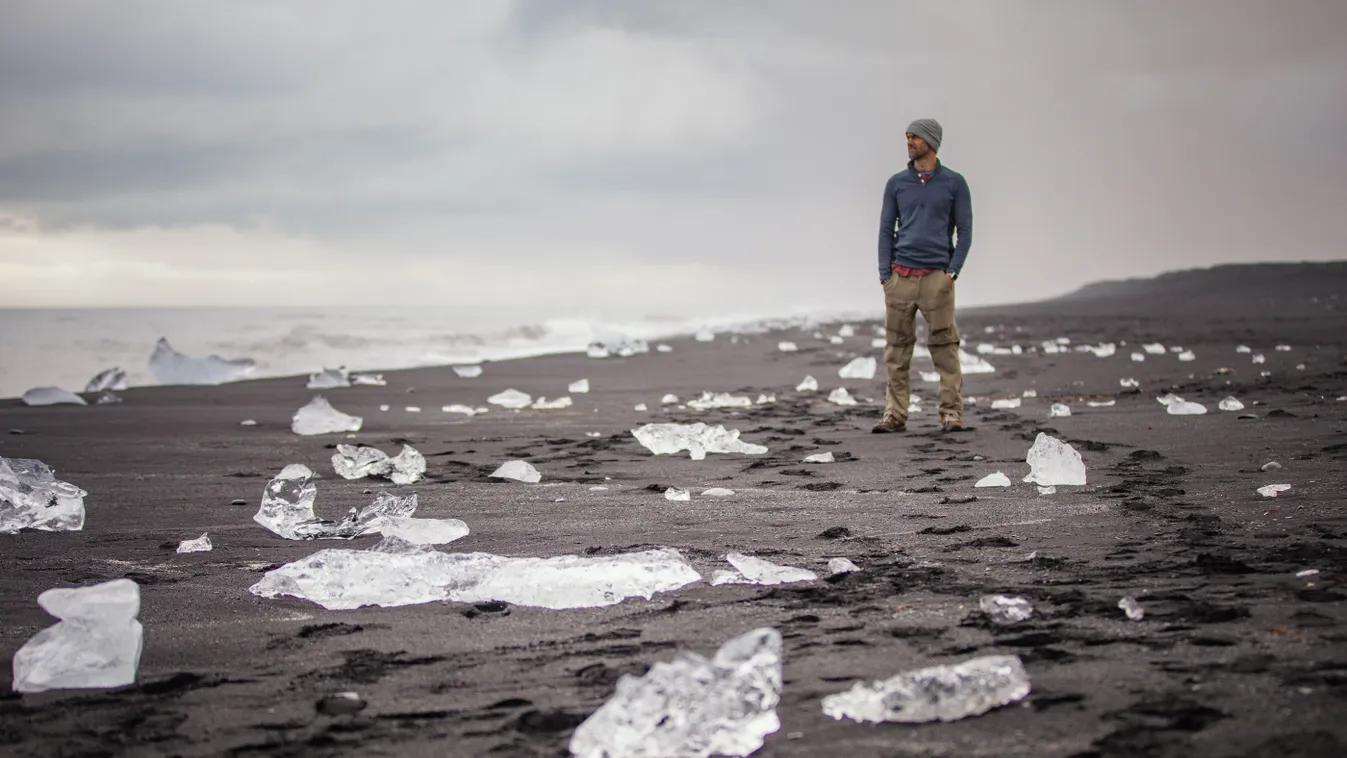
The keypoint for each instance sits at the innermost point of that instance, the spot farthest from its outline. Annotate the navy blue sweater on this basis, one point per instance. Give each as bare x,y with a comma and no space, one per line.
926,217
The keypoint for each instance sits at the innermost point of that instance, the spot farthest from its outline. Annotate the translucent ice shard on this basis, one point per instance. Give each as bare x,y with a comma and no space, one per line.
760,571
698,439
1049,490
669,400
107,397
329,378
520,471
1259,358
1273,490
1244,349
108,380
663,349
877,342
1029,393
1059,410
1053,462
1154,348
1129,383
466,410
1132,608
373,380
766,399
1005,609
1187,355
1181,407
691,707
199,545
705,335
808,384
424,531
994,480
1101,403
1006,403
840,396
287,509
820,458
96,644
973,364
709,401
1231,404
579,387
717,492
938,693
640,407
543,404
930,376
842,566
352,462
860,368
1283,348
787,347
31,497
836,340
676,494
171,367
1139,357
511,398
51,396
319,417
468,372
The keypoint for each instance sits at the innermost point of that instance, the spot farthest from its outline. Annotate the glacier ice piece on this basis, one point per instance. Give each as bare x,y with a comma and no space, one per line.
842,566
1230,404
877,342
107,380
1270,466
1180,407
1307,573
808,384
511,398
372,380
1187,355
1273,490
107,397
846,330
860,368
287,509
543,404
663,349
31,497
1129,383
937,693
1101,403
329,378
346,579
766,399
171,367
578,387
468,372
1006,403
1243,349
972,364
199,545
787,347
520,471
668,400
1154,348
676,494
1053,462
1049,490
1132,608
930,376
358,462
424,531
1259,358
691,707
840,396
1283,348
412,409
319,417
709,401
466,410
1059,410
761,571
1029,393
820,458
96,644
640,407
836,340
698,439
1139,357
1005,609
717,492
723,576
705,335
52,396
997,479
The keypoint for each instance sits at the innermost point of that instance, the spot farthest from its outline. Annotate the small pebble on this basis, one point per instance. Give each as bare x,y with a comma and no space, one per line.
17,431
238,501
341,704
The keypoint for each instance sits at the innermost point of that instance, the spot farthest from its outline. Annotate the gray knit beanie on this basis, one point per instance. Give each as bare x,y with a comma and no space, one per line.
928,129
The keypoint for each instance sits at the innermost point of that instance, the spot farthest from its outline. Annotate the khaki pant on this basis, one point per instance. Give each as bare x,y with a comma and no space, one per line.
933,295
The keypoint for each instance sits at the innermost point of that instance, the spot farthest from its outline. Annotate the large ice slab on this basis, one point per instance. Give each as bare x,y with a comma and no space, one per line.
691,707
1053,462
171,367
511,398
938,693
319,417
762,571
96,644
31,497
107,380
346,579
709,401
287,509
860,368
698,439
358,462
520,471
51,396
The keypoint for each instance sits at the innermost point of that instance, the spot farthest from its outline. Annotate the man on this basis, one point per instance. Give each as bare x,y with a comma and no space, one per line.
925,208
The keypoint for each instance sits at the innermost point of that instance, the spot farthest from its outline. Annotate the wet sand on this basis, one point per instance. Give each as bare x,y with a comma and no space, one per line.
1236,655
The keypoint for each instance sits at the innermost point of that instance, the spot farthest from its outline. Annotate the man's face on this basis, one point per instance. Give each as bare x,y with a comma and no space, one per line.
917,147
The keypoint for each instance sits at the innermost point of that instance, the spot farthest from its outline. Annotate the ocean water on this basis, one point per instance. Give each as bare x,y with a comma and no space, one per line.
67,347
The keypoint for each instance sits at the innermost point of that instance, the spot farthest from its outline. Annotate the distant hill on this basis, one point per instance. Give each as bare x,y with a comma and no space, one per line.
1254,280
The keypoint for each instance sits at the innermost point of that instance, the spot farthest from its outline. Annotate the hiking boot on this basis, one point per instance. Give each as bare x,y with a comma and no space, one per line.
889,425
953,424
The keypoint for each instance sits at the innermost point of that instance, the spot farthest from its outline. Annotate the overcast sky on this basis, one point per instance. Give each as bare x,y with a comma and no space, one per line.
667,157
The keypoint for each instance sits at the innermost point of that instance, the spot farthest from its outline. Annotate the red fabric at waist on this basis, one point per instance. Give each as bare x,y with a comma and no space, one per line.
905,271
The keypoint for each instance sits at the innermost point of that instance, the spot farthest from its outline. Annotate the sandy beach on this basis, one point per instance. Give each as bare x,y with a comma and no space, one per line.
1236,655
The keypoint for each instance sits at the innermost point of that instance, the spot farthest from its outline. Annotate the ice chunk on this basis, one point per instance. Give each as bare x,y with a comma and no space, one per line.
330,378
1005,609
1154,348
860,368
1258,358
1187,355
1129,383
424,531
412,409
51,396
705,335
878,342
787,347
1243,349
808,384
1006,403
466,410
1029,393
578,387
930,376
1273,490
1307,573
972,364
1132,608
842,566
668,400
199,545
1180,407
759,571
840,396
113,379
248,422
1047,490
698,439
96,644
1271,466
1059,410
511,398
543,404
691,707
835,340
107,398
521,471
1283,348
820,458
287,509
373,380
846,330
1231,404
319,417
938,693
764,399
994,480
346,579
709,401
468,372
351,462
717,492
1101,403
676,494
727,577
1053,462
31,497
663,349
171,367
1139,357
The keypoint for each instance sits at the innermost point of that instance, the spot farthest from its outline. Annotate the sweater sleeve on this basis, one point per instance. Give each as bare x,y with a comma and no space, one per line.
963,224
888,217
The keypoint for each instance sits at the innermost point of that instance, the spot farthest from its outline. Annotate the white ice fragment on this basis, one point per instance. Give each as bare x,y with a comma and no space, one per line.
329,378
171,367
1231,404
1271,466
760,571
937,693
820,458
698,439
709,401
764,399
1283,348
1244,349
319,417
1307,573
691,707
1258,358
108,380
840,396
808,384
96,644
972,364
520,471
985,348
640,407
841,566
468,372
346,579
1181,407
52,396
1005,609
466,410
997,479
1272,490
1053,462
596,350
543,404
412,409
1030,393
705,335
846,330
717,492
372,380
723,576
287,509
669,400
1139,357
860,368
352,462
787,347
663,349
677,495
248,422
199,545
511,398
878,342
424,531
1049,490
1132,608
1129,383
929,376
1300,367
1006,403
31,497
384,407
1059,410
1101,403
1187,355
578,387
1265,374
835,340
